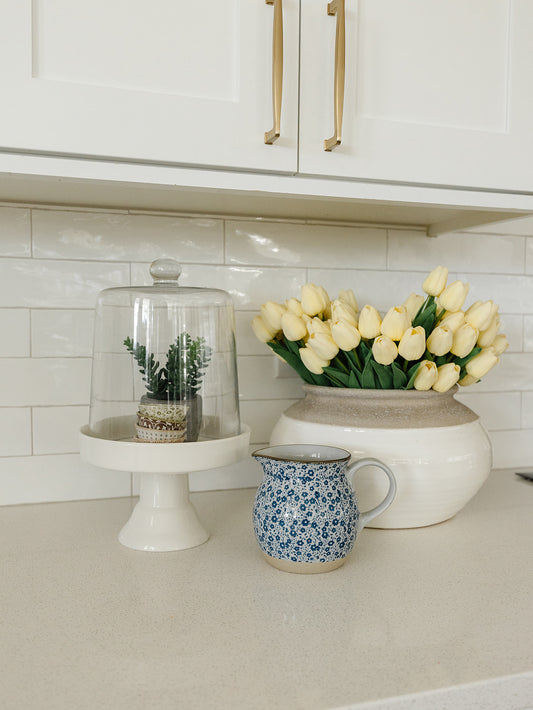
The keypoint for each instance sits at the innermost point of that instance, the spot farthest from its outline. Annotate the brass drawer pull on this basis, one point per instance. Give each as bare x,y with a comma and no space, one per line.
336,7
277,70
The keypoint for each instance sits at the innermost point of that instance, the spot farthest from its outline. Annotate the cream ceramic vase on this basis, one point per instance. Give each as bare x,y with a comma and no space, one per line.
436,447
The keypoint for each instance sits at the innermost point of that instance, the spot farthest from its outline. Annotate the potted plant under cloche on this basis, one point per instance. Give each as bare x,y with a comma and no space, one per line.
171,409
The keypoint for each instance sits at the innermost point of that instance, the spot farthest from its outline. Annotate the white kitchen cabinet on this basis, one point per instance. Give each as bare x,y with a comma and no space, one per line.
435,92
166,81
164,106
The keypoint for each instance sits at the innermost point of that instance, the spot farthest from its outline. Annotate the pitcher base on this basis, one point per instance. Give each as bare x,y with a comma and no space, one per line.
304,567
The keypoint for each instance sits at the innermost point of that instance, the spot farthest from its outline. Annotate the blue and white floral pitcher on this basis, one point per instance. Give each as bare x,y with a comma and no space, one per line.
306,517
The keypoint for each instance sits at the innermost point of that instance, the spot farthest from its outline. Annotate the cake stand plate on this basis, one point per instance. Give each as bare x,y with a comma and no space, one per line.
164,519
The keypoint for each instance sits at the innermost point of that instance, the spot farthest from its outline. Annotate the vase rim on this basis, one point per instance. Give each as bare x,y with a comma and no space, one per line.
379,393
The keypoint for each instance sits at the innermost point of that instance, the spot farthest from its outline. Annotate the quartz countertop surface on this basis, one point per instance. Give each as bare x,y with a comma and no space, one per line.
437,617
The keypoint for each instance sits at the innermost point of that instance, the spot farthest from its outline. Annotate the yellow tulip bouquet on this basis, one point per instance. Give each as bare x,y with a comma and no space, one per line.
429,342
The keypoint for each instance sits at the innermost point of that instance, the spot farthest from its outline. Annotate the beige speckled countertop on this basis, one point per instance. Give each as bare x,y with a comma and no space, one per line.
444,613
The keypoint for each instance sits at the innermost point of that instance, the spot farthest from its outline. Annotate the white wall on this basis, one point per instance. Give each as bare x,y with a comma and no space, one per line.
53,262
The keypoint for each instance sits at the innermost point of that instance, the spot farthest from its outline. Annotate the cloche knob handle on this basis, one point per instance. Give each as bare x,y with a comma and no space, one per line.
165,271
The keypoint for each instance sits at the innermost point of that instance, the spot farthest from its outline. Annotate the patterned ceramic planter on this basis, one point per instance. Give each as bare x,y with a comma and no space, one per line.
161,421
306,516
436,447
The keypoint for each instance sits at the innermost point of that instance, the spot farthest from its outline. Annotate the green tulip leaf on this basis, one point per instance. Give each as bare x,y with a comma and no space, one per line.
368,380
463,360
428,323
293,360
353,381
339,379
399,378
411,374
321,380
428,302
426,319
339,363
353,359
364,351
292,346
383,374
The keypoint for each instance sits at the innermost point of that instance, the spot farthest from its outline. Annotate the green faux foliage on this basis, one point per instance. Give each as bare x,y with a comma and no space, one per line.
181,377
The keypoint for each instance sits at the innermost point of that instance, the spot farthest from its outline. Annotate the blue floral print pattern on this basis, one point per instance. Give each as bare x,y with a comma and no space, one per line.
305,512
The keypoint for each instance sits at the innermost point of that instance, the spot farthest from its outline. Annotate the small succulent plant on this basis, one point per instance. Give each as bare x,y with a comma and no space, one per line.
181,377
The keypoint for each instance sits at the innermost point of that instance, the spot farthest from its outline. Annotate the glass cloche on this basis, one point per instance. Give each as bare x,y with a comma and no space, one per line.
164,362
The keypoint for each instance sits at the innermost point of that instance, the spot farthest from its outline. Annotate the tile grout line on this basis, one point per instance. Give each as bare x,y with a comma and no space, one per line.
224,243
32,433
31,233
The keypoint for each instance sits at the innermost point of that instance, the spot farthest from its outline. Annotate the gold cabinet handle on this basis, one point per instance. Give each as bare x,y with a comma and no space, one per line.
277,70
336,7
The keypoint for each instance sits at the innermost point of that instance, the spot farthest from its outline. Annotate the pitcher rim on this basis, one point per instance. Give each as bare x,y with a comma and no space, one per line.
293,459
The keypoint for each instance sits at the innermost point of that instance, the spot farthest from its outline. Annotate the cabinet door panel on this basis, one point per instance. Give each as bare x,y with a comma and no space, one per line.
167,81
436,92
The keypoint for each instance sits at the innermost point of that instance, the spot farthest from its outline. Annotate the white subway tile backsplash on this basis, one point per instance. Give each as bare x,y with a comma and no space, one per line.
499,410
512,449
26,382
40,283
246,473
49,281
62,333
382,289
15,428
528,333
32,479
247,343
15,231
126,237
513,327
512,293
529,255
261,419
15,332
281,244
56,429
257,380
527,410
482,252
248,286
513,373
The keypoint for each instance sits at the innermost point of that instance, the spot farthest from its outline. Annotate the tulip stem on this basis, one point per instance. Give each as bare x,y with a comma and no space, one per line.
337,360
354,360
440,317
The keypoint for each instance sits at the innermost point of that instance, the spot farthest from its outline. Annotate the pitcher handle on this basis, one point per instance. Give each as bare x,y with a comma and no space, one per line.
366,517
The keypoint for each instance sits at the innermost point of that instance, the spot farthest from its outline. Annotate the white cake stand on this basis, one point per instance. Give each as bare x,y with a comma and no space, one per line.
164,519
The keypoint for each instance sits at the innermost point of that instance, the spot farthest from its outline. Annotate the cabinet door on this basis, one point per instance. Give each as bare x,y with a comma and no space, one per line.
168,81
435,92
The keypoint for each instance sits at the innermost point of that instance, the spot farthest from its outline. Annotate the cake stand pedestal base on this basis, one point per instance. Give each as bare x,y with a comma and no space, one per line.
164,519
